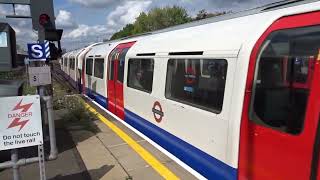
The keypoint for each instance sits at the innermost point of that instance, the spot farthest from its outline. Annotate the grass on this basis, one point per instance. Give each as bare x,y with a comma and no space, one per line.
76,113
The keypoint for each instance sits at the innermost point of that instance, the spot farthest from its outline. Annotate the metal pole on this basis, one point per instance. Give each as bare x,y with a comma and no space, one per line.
21,162
48,109
42,162
14,159
52,132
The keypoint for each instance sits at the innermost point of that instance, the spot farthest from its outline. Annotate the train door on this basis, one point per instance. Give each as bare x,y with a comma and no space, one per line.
83,90
79,61
68,66
115,79
282,102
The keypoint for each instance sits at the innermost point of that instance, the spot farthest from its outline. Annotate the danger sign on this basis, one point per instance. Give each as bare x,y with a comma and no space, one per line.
20,122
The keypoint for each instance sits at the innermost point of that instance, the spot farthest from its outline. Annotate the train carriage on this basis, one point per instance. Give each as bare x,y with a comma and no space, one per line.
80,64
67,64
73,68
233,97
64,64
94,73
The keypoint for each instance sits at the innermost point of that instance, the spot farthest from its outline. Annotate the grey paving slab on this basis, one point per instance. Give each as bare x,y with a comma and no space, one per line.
116,122
110,139
96,156
179,171
124,128
155,152
67,166
103,128
132,134
145,173
167,161
132,162
129,159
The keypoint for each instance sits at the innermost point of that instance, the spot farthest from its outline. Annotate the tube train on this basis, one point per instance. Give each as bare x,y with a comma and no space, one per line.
232,97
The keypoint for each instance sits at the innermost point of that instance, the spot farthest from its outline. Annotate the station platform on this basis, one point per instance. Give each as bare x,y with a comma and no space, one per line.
111,151
123,152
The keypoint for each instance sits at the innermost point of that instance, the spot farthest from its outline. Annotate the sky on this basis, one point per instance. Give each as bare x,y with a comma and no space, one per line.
88,21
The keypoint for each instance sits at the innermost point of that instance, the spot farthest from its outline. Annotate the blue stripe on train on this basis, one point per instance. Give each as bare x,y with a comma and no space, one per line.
200,161
206,165
103,101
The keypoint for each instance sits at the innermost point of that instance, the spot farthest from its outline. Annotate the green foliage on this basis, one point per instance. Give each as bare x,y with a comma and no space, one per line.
202,14
77,113
157,18
126,31
160,18
12,75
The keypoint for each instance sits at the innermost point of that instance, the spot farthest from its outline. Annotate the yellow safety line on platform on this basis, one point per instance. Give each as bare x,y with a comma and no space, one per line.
148,157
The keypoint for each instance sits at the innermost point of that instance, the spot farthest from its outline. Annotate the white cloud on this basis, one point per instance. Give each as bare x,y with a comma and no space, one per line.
23,10
112,15
24,32
126,13
95,3
85,31
4,9
64,20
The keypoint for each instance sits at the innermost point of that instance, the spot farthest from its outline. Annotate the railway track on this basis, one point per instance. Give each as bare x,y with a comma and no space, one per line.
57,75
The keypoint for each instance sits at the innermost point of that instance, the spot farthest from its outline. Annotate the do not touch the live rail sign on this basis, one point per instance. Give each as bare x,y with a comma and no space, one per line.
20,122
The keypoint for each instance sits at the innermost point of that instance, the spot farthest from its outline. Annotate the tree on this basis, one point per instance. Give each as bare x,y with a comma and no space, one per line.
157,18
142,24
203,14
160,18
126,31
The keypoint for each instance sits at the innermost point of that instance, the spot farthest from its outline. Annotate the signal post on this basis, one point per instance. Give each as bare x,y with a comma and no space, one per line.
42,15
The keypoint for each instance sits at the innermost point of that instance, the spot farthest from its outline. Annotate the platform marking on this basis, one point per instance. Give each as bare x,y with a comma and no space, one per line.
160,148
148,157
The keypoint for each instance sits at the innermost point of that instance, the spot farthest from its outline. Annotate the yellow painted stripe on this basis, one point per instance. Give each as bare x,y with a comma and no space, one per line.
151,160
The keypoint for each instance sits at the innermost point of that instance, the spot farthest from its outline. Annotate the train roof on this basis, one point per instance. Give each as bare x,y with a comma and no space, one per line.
225,36
66,54
269,7
100,50
229,30
75,53
103,49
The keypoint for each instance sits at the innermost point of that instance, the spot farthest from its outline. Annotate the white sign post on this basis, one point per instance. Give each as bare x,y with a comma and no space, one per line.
20,122
39,76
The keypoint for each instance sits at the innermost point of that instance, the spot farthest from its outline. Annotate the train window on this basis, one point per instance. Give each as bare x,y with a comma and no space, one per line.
282,78
99,68
111,64
140,74
65,60
89,66
197,82
121,64
72,63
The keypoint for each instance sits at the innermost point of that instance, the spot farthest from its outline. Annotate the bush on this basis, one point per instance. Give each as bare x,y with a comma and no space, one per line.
77,113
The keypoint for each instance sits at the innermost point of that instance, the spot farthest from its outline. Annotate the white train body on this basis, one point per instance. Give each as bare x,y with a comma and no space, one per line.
203,135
